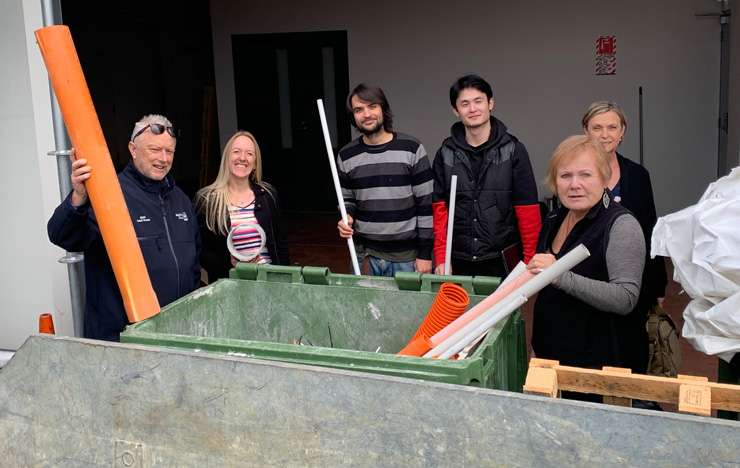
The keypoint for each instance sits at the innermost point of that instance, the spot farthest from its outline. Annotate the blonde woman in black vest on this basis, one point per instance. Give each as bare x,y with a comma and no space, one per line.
605,122
582,319
237,200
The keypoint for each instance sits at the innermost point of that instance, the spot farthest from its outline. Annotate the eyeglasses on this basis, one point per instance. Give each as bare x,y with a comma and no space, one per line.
156,129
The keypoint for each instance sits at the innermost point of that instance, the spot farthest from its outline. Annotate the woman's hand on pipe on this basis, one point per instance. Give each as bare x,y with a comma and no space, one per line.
539,262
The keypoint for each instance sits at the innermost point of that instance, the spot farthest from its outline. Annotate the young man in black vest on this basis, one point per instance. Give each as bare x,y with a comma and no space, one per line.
496,208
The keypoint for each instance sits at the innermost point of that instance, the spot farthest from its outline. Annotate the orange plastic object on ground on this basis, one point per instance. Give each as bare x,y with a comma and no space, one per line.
449,304
103,188
46,324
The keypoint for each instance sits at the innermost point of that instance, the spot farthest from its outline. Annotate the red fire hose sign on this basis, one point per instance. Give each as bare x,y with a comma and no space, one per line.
606,55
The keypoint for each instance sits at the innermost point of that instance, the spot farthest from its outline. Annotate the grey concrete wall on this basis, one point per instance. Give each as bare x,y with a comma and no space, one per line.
31,282
71,402
539,56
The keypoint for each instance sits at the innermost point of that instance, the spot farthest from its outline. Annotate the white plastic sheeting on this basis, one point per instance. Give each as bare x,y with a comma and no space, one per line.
703,241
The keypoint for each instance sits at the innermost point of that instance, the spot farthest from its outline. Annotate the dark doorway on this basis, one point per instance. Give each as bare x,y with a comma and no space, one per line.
151,59
277,79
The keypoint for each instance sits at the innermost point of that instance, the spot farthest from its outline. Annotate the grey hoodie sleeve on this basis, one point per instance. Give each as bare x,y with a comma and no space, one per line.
625,259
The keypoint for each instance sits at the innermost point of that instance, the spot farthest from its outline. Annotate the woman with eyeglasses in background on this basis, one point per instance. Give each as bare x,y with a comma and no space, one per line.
241,203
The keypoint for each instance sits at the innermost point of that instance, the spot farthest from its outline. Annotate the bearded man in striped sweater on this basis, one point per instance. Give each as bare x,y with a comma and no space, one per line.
387,187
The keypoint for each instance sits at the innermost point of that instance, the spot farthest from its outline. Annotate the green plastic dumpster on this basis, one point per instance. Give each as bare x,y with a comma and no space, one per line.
308,315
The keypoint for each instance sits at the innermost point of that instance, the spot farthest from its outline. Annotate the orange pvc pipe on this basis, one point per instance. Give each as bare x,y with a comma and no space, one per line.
81,120
480,307
449,304
418,346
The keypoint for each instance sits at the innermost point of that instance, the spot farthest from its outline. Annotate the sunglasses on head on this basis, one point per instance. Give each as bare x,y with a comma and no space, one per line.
156,129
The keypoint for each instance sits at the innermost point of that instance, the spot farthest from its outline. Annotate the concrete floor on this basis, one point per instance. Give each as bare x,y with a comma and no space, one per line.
314,241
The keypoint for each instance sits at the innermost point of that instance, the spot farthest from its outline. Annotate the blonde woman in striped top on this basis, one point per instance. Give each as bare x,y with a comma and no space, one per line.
237,200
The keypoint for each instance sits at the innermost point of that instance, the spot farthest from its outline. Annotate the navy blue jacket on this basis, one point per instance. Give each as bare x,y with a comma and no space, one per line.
167,230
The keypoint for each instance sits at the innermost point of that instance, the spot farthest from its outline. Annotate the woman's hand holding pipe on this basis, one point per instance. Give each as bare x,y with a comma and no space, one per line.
539,262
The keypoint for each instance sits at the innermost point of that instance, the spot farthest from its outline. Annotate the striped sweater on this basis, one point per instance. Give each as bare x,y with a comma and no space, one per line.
388,191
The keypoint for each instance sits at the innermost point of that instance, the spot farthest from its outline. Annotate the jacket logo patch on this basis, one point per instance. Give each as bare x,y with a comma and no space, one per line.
182,216
142,219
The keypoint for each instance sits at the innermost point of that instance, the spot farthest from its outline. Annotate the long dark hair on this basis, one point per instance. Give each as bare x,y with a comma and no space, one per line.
373,95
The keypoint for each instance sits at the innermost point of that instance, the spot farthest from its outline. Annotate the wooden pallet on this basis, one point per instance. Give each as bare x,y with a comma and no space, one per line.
619,386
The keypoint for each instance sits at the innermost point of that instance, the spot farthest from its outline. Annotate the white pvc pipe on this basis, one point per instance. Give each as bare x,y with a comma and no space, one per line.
489,321
480,308
518,270
527,290
551,273
337,187
450,224
456,337
254,252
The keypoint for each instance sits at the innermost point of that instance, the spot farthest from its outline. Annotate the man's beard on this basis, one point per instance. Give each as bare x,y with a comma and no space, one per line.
371,131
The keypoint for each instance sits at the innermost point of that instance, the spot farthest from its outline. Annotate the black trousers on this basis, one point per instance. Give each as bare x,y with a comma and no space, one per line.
492,267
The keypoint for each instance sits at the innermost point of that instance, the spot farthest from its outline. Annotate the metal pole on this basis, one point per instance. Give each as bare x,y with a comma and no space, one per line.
52,14
723,168
642,157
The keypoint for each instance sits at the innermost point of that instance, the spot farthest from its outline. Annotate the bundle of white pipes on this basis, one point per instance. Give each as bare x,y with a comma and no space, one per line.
526,285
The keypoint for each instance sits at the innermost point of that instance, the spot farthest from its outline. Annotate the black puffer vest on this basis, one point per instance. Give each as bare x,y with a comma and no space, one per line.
485,222
569,330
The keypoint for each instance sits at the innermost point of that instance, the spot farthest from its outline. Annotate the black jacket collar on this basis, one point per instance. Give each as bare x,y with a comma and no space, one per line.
153,186
498,136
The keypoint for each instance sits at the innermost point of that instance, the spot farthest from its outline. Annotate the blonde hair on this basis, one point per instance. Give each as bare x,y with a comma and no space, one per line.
213,199
602,107
572,147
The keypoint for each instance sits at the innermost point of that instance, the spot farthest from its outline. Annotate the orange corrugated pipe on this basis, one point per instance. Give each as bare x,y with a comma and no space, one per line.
449,304
475,311
103,188
46,324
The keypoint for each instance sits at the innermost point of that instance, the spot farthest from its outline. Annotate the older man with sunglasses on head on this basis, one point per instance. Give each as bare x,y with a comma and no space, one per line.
163,219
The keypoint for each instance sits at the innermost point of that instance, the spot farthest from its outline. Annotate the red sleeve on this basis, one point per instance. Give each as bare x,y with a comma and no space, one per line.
530,223
439,216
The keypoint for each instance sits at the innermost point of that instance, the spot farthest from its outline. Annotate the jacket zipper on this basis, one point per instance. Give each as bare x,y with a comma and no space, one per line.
274,245
169,242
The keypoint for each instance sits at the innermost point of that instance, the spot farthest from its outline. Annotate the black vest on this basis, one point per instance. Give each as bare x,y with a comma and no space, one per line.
569,330
485,222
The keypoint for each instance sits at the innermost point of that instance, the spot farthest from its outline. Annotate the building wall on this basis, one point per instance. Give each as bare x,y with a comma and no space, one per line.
539,56
32,281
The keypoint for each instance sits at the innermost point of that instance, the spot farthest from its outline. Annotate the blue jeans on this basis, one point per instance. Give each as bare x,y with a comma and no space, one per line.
380,267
